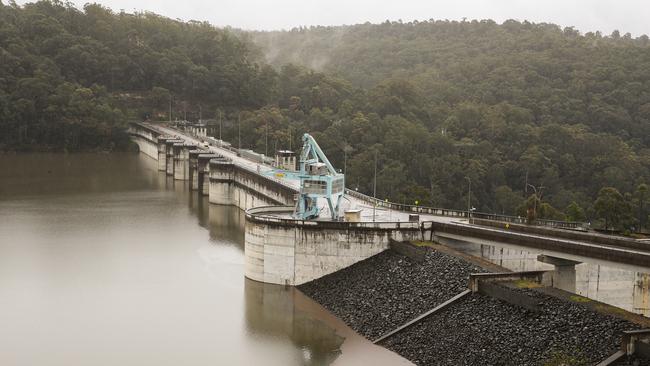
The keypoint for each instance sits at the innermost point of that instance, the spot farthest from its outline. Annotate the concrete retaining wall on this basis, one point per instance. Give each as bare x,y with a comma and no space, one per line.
293,252
233,185
616,241
146,139
609,253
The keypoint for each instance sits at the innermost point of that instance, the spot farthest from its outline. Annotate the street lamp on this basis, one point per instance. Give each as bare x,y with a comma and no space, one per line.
537,197
346,149
239,129
374,190
220,118
469,200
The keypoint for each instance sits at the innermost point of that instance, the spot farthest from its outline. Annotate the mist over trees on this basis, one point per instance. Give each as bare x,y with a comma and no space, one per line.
513,107
506,105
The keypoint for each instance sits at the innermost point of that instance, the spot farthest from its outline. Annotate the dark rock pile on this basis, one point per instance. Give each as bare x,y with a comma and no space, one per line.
480,330
385,291
381,293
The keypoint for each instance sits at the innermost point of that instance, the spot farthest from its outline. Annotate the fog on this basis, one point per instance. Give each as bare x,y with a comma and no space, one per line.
585,15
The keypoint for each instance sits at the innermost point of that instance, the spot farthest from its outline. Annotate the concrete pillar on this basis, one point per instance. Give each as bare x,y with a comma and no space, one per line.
179,164
169,150
194,169
203,168
182,160
564,275
162,154
221,181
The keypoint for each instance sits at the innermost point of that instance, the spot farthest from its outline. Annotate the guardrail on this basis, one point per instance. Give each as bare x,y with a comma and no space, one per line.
269,214
460,213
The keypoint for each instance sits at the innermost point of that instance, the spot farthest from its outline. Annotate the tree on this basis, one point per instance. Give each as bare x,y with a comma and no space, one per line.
574,212
611,207
507,201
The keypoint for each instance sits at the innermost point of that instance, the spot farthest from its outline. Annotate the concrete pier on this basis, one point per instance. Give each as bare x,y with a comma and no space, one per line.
231,184
564,276
286,251
203,177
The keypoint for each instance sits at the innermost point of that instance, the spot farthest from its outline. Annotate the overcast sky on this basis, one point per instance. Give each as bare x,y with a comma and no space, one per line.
586,15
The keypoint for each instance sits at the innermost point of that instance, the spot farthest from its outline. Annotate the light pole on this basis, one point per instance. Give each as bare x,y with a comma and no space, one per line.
266,139
469,200
374,190
239,129
170,108
537,197
220,125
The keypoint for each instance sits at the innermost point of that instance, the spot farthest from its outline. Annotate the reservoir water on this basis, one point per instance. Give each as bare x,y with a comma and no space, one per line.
105,261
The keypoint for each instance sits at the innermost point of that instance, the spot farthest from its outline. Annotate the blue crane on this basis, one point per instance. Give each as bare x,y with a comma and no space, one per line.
318,179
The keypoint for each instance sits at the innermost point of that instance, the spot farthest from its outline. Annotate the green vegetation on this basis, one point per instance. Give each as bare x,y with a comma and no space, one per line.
527,284
576,298
514,108
561,358
71,79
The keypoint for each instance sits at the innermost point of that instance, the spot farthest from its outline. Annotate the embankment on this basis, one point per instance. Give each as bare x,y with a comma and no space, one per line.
383,292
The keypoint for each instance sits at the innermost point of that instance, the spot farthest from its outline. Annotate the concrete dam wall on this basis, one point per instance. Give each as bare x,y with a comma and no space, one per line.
292,252
231,184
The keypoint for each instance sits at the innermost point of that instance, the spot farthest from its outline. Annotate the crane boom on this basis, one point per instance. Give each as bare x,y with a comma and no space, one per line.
318,180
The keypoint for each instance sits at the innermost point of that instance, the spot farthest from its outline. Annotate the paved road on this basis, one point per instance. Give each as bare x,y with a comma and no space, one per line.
348,202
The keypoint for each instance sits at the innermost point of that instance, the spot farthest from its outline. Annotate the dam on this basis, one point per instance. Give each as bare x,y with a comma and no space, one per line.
281,249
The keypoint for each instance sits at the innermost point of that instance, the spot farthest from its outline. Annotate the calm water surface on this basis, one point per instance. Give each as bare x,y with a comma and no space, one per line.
105,261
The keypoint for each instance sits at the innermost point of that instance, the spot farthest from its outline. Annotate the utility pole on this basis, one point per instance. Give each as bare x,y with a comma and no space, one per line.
239,129
374,190
469,200
220,125
537,197
289,138
266,138
200,114
170,108
346,149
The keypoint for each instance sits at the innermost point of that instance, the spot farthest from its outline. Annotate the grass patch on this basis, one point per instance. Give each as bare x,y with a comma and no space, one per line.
420,243
576,298
527,284
610,310
566,359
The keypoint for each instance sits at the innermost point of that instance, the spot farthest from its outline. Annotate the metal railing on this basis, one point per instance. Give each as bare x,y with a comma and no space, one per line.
461,213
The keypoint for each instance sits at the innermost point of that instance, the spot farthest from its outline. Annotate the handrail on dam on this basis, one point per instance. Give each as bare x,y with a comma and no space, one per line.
611,253
460,213
265,214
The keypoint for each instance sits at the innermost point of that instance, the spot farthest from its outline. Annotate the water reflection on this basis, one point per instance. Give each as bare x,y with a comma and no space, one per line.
275,311
102,262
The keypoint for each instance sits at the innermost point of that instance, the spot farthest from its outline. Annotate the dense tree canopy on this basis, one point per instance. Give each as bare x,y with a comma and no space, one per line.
520,110
509,106
70,78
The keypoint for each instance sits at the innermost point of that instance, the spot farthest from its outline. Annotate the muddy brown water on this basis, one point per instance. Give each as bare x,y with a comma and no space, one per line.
105,261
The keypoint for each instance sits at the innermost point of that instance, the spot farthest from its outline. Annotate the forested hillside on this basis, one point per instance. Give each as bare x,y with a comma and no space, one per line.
439,104
69,79
499,104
